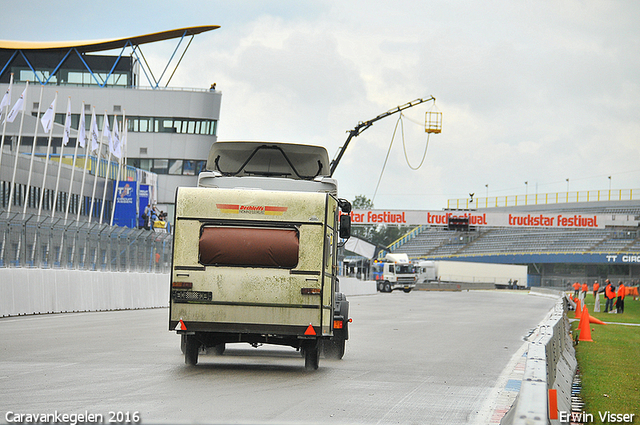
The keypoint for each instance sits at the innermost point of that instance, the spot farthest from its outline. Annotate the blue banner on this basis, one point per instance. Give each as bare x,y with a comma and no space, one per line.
585,258
124,214
143,201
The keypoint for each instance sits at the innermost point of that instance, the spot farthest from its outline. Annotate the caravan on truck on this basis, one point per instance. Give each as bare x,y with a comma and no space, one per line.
255,252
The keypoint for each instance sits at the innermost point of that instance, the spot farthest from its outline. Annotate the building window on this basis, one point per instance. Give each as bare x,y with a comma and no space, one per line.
175,166
189,168
160,166
201,166
172,125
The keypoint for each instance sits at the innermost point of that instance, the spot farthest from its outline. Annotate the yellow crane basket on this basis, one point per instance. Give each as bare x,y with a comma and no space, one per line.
433,122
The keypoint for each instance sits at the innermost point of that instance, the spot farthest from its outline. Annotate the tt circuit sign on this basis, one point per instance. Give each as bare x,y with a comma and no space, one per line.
497,219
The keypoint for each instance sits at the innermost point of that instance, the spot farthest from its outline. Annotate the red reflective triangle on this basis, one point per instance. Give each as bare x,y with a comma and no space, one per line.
181,326
310,331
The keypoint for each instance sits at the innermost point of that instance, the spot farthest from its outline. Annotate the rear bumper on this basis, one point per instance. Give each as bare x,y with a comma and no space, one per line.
246,328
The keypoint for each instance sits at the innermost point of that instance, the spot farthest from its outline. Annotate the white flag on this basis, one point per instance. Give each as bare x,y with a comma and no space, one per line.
17,107
106,132
82,131
117,147
95,145
47,118
6,99
67,125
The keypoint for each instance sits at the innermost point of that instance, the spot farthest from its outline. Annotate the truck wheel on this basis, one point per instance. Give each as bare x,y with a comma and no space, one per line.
218,350
380,286
183,343
387,287
192,347
334,349
312,356
407,290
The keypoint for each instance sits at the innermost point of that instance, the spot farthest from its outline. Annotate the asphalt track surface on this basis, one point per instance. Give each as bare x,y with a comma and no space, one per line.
418,358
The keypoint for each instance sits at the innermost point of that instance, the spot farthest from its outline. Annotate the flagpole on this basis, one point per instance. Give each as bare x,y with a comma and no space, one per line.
125,136
106,177
4,127
117,149
46,159
17,152
82,135
73,168
65,140
33,151
94,138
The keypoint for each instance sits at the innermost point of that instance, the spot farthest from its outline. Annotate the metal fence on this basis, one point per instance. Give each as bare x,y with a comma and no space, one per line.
33,241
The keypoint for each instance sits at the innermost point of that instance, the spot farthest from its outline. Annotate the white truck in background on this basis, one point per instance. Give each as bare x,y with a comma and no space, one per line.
501,275
395,271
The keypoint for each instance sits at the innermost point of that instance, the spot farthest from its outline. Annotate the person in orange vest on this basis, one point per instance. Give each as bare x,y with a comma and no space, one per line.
576,289
609,294
596,286
620,300
585,289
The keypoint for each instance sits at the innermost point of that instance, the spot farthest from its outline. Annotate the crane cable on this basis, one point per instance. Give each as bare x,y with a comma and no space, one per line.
424,155
386,158
404,147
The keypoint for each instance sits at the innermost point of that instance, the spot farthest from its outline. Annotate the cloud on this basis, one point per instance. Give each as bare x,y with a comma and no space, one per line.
535,92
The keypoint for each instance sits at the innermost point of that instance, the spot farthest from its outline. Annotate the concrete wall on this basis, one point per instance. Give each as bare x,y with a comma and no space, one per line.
41,291
352,286
38,291
551,364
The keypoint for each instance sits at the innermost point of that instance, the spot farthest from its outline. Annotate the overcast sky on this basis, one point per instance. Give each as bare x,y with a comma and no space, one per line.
530,91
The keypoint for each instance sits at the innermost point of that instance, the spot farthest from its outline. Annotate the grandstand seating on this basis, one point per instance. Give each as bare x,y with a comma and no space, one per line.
438,242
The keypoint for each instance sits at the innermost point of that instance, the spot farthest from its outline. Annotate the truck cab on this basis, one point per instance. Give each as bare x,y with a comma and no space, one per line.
393,272
255,252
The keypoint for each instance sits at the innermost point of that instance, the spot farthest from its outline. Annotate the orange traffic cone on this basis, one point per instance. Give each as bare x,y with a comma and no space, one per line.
581,316
594,320
585,327
578,312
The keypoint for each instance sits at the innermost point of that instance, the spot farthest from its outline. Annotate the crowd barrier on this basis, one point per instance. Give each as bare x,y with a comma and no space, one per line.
551,365
32,241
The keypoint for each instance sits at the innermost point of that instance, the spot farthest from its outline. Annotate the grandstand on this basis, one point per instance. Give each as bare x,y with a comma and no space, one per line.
555,256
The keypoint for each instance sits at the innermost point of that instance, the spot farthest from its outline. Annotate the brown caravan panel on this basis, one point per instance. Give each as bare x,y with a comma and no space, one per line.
249,246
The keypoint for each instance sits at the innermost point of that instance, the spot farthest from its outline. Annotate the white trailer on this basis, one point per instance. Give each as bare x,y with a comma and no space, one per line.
501,275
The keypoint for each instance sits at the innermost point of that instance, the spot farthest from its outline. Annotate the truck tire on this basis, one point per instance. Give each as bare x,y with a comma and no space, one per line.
183,343
192,347
218,350
312,356
380,286
407,290
387,287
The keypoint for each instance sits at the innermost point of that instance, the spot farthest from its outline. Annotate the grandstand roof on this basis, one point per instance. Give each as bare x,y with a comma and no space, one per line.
103,45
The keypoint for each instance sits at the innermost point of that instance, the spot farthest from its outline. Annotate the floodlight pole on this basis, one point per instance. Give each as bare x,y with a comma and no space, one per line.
362,126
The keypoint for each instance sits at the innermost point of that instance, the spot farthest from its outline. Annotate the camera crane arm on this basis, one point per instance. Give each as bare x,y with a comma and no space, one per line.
362,126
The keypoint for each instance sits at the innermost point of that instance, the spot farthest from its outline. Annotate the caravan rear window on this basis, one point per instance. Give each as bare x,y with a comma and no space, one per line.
249,246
